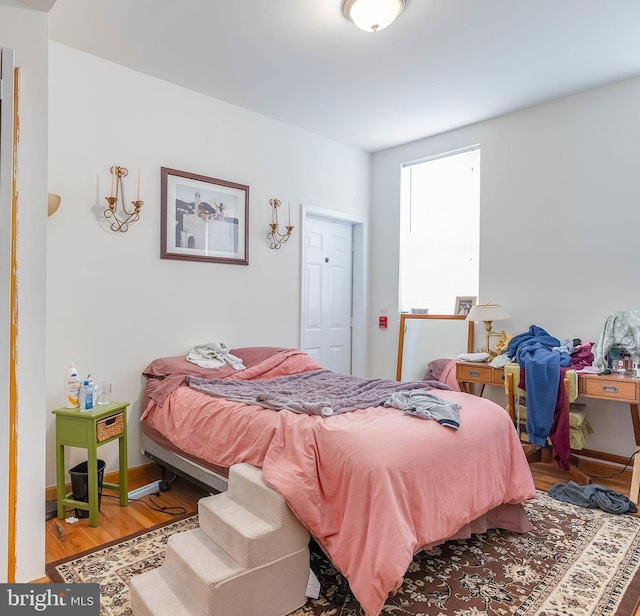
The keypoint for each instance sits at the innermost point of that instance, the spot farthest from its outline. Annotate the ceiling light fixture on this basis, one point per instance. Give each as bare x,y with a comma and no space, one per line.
372,15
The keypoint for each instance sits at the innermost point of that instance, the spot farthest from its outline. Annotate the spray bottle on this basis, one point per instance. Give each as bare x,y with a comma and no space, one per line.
86,394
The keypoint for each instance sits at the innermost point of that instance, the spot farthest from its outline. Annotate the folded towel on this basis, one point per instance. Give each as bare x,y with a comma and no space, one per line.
214,355
592,496
476,357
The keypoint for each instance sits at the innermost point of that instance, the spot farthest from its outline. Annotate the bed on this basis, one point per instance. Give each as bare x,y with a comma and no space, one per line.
373,486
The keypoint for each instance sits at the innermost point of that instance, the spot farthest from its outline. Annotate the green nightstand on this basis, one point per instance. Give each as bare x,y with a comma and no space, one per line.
89,430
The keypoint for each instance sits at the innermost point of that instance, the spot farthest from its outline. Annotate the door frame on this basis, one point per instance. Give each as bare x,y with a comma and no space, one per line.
8,310
359,279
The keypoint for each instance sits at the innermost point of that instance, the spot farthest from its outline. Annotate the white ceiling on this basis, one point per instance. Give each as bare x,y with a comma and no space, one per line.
443,64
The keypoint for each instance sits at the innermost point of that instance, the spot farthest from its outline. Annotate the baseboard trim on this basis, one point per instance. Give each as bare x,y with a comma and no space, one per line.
599,467
151,470
601,455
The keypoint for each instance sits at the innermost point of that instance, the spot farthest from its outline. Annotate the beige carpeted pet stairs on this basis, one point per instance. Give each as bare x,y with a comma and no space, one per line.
249,557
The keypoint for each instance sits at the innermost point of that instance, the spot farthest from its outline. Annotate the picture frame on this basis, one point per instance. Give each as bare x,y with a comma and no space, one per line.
203,218
464,303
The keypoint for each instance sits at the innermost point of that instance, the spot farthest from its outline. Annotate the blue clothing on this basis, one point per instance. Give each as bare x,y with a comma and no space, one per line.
533,350
592,496
535,332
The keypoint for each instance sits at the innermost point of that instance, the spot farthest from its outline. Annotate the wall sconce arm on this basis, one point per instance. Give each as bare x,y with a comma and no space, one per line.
121,222
277,238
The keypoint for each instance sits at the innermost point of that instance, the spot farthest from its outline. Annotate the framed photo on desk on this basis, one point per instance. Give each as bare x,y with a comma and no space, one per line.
464,304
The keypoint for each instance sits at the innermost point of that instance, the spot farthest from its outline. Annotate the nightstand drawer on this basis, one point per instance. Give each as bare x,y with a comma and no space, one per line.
74,431
498,376
109,427
474,373
623,390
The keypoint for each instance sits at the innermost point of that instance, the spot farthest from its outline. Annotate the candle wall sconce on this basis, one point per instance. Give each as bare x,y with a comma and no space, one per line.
123,218
277,238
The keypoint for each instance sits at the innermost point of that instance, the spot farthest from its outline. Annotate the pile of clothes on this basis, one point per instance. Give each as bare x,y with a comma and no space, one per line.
213,355
543,361
579,427
621,329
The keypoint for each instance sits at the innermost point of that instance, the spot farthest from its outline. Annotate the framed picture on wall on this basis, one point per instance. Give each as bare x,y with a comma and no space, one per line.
203,218
464,304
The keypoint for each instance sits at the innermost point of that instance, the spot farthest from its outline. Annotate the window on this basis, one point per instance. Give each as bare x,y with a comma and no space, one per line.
440,231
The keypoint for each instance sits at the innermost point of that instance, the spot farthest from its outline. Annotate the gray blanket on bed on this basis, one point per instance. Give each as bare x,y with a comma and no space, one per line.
319,392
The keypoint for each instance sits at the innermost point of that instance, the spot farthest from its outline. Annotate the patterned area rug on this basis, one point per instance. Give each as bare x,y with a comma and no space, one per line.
577,562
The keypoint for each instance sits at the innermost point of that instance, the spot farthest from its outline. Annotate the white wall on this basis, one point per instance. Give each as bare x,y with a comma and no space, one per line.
113,304
560,215
26,32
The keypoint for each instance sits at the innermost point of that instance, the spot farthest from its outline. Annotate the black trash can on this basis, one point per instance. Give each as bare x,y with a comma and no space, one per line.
80,485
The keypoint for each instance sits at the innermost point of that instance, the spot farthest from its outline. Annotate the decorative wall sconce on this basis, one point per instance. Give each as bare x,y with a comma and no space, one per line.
121,222
53,203
277,238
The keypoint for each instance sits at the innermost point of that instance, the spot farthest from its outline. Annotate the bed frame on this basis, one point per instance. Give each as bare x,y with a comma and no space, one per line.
192,472
215,483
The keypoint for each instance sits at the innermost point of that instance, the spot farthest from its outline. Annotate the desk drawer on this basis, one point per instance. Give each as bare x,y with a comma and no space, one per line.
109,427
615,389
475,373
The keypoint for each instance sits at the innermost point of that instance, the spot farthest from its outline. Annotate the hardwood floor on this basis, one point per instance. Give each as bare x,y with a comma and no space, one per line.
117,522
547,474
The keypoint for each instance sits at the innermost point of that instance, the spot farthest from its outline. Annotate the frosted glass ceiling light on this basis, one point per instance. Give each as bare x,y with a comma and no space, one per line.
372,15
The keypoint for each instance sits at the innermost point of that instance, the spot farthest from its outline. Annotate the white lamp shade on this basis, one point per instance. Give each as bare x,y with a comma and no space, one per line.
372,15
487,312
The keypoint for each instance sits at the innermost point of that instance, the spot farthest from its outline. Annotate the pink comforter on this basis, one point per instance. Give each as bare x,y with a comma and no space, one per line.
373,486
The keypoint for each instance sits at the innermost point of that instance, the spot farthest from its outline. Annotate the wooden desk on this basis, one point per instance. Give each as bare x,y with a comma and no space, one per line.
613,387
619,389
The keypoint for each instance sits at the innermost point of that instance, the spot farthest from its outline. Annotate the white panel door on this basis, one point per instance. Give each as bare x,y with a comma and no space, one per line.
327,306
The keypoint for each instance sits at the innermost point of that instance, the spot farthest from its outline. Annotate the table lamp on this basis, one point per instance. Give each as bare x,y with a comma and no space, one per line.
488,313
